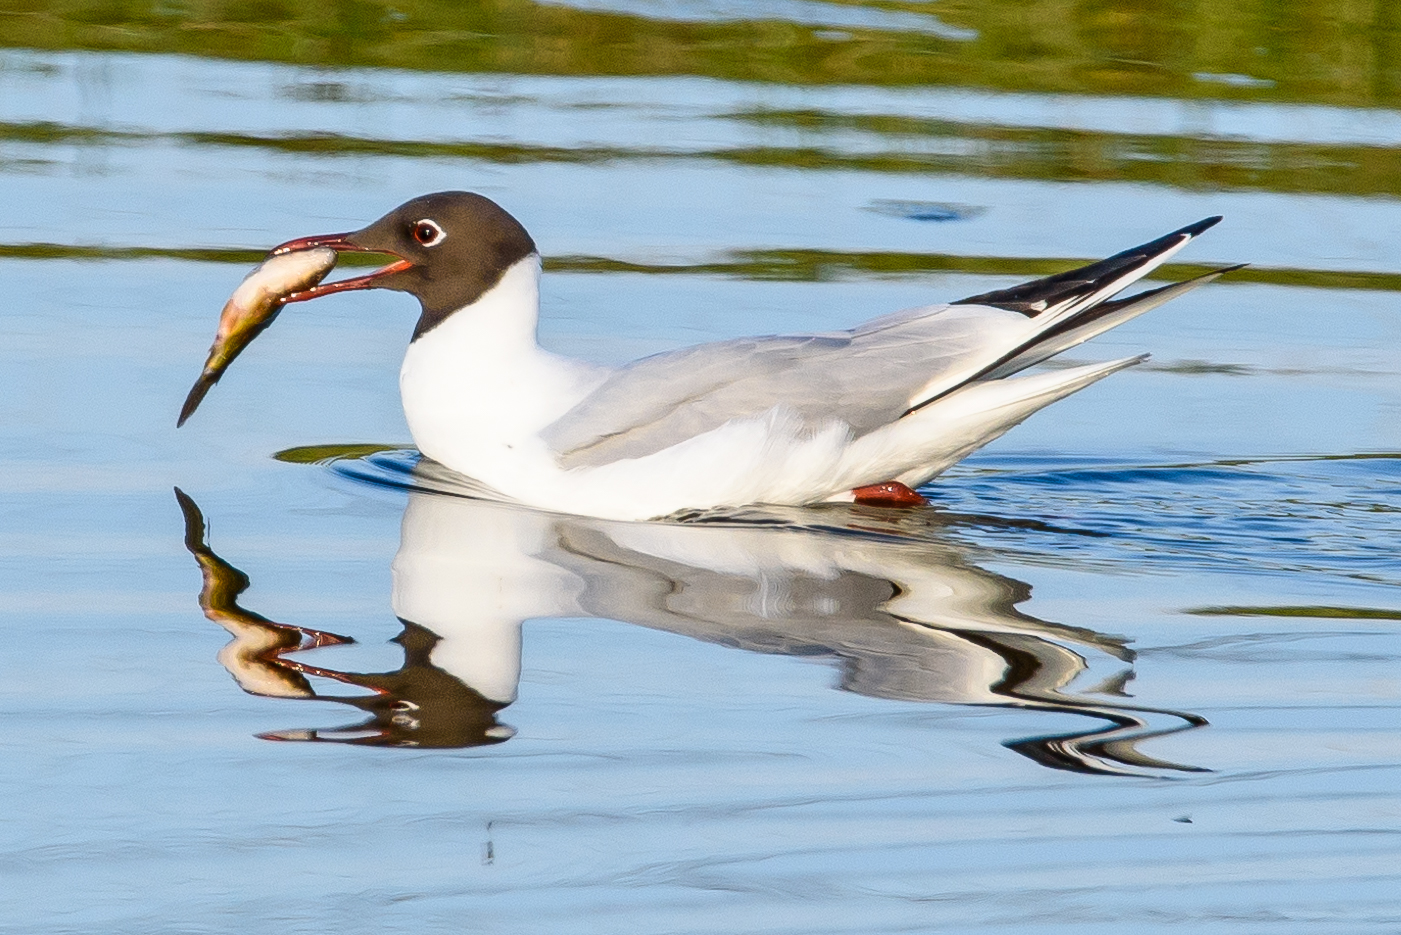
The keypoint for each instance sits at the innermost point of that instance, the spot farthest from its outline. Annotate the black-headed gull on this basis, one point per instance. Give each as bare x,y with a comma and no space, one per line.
869,413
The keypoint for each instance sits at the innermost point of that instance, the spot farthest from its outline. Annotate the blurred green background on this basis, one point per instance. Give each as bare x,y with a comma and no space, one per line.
1343,53
1289,52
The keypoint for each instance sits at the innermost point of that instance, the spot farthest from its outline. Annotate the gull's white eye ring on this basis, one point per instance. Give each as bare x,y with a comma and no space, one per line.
428,233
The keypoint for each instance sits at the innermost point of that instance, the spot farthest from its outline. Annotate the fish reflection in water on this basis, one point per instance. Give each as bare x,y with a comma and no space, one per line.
905,619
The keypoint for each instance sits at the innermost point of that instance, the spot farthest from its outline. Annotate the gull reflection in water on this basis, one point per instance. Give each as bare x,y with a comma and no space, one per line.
904,618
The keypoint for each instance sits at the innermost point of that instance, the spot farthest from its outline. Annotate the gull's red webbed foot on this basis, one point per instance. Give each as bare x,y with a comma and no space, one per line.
889,493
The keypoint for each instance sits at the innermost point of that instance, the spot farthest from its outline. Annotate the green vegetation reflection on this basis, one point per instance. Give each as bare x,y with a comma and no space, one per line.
325,454
906,145
1346,613
796,265
1345,53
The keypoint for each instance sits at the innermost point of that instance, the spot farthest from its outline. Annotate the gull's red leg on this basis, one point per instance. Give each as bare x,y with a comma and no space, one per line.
889,493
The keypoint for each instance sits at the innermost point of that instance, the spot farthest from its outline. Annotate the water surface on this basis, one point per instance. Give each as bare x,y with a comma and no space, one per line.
1135,668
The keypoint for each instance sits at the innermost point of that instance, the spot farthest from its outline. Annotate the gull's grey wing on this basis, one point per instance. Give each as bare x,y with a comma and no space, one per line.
867,377
864,378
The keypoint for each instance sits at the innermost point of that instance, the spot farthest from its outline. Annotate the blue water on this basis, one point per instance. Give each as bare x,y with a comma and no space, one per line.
1134,670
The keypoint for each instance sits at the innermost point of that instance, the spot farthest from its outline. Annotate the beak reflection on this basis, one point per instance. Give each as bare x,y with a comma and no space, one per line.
416,705
901,620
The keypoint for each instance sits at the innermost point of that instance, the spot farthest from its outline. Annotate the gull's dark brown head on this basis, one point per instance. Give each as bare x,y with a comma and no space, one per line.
451,248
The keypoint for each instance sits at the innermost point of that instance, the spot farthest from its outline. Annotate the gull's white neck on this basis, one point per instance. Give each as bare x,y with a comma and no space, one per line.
478,386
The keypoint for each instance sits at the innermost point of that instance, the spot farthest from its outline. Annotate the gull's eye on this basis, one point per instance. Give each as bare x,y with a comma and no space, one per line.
428,233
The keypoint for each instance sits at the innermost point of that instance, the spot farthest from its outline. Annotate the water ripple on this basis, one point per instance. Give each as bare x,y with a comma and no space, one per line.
1333,515
1330,515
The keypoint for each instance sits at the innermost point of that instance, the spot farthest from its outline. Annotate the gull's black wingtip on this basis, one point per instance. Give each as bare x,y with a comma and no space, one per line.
1193,230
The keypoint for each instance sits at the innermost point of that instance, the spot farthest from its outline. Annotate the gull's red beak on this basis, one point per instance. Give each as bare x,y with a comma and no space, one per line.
340,243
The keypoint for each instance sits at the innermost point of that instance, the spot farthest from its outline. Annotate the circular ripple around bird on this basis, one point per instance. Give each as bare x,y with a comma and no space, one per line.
1337,515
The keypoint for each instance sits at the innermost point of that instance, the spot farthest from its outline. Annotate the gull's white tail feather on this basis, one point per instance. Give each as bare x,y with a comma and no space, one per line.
926,443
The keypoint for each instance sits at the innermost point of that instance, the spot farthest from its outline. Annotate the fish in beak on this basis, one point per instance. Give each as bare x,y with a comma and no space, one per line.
291,273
